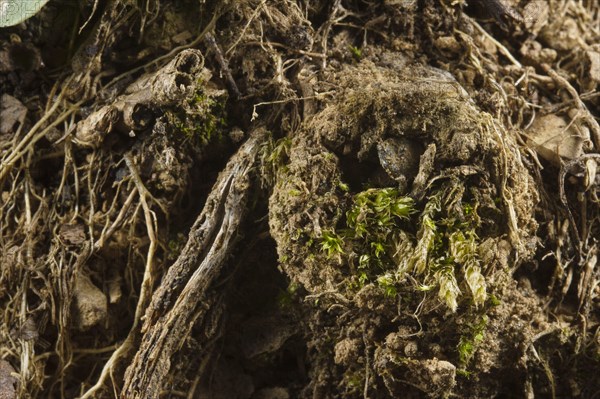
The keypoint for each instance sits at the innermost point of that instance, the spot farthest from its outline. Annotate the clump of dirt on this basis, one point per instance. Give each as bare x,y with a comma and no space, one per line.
373,268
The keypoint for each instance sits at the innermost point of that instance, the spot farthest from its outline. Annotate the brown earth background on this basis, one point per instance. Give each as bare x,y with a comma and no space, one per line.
276,199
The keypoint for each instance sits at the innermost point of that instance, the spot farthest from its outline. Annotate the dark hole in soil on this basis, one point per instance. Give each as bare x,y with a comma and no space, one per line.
23,57
258,303
356,173
182,80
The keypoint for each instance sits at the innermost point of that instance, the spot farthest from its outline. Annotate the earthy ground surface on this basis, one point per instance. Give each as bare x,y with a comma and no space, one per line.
300,199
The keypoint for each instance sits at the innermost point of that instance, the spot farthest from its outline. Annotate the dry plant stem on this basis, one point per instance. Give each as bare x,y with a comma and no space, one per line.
66,282
94,8
33,136
211,42
151,226
241,36
566,168
587,116
502,48
175,309
147,281
109,231
131,112
121,351
288,48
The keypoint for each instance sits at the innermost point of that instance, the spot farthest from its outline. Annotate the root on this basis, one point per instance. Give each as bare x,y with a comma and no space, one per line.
123,350
176,306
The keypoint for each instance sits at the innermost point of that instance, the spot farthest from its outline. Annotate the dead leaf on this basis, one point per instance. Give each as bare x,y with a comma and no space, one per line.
553,138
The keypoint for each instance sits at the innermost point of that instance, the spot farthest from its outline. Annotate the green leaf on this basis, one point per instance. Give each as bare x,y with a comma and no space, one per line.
331,243
13,12
363,261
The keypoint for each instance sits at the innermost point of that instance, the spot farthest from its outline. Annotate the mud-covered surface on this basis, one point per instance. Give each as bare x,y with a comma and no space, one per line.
281,199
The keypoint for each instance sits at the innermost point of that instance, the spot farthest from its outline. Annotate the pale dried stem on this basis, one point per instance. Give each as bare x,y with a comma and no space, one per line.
147,281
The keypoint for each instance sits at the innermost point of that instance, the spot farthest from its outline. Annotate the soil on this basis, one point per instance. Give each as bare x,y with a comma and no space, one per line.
300,199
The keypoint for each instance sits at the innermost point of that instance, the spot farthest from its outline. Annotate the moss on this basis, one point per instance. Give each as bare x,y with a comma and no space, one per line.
469,342
440,252
406,263
274,156
343,186
373,220
493,300
332,244
285,299
388,283
356,52
463,248
203,121
175,245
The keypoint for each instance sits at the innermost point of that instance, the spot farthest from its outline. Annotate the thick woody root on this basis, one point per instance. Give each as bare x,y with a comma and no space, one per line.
177,305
